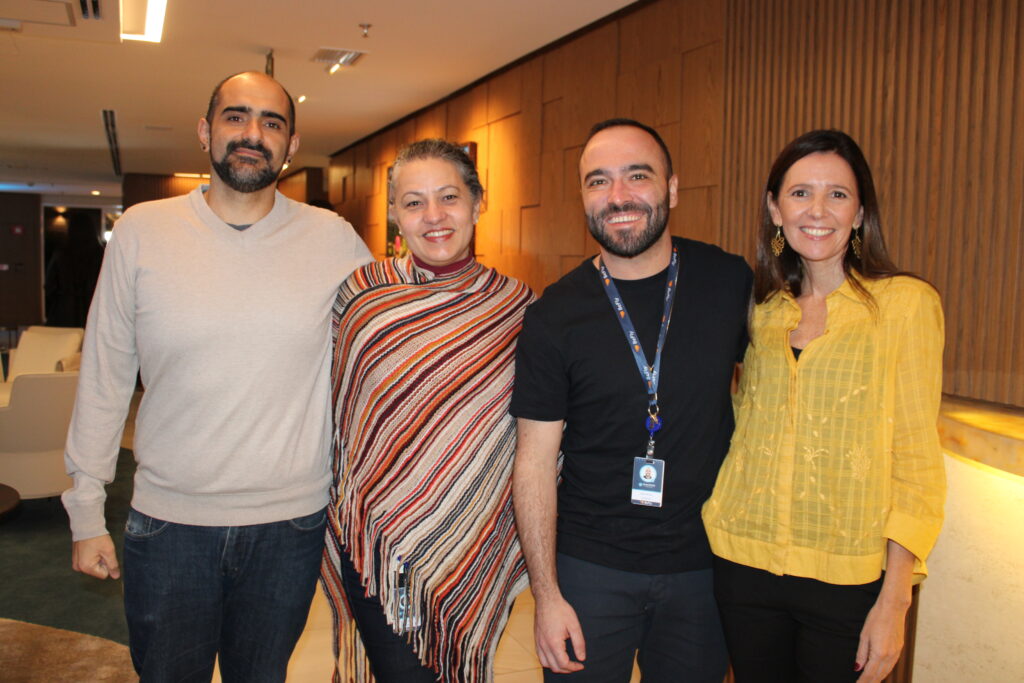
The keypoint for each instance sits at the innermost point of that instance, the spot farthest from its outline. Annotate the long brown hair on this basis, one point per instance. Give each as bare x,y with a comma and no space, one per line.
784,273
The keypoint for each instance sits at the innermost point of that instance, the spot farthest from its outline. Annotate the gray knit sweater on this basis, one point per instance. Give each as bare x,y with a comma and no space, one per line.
231,330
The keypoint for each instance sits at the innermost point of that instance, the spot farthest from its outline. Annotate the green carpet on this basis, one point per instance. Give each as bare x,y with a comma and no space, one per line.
37,584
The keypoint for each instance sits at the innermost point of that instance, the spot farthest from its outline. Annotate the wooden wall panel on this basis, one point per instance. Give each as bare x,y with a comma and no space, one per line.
467,112
305,185
339,178
700,159
584,73
698,212
928,87
363,176
145,187
505,94
700,23
931,89
432,123
649,35
651,93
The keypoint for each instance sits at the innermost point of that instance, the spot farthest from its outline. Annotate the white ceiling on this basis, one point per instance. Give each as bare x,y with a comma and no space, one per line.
56,78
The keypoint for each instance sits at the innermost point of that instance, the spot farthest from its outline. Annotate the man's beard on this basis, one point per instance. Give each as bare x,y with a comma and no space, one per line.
629,244
243,175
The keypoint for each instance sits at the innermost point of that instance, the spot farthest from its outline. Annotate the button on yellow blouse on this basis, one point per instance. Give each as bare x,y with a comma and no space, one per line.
838,452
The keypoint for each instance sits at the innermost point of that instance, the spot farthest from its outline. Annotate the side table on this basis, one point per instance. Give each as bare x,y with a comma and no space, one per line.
9,500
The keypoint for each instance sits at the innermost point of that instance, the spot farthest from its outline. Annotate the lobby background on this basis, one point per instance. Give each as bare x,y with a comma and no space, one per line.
932,89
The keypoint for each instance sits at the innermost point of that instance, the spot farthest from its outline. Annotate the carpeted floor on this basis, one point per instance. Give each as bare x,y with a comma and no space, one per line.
40,654
37,584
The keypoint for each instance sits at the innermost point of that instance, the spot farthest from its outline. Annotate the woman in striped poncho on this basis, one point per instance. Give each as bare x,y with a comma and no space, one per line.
421,547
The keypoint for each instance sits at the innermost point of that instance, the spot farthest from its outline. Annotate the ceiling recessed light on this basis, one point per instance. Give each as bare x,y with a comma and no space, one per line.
154,20
302,98
95,193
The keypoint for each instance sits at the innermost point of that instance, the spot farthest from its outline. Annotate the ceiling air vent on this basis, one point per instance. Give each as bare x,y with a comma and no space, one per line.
90,9
110,127
336,57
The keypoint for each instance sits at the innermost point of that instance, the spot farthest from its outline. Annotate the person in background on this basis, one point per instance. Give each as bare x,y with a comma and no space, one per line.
831,496
421,546
222,299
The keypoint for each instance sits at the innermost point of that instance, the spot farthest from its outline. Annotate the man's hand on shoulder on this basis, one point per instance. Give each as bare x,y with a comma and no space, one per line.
555,621
95,557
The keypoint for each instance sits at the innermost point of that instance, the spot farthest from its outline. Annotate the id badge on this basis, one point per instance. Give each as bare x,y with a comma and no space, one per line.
648,482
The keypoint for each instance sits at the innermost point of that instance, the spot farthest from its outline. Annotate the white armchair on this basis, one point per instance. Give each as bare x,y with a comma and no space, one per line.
33,429
41,350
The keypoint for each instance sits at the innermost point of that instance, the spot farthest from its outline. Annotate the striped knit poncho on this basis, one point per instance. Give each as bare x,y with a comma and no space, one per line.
423,371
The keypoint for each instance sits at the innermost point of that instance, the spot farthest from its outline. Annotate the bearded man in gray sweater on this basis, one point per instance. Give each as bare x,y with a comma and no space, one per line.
222,299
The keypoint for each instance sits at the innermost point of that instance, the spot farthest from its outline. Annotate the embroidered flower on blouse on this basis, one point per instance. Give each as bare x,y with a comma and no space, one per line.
812,454
860,463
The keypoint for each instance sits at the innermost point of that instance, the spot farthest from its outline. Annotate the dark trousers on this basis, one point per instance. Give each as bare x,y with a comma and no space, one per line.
391,656
669,622
781,629
193,592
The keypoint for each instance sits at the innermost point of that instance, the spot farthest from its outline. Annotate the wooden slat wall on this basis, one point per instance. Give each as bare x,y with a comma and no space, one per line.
928,87
662,62
931,90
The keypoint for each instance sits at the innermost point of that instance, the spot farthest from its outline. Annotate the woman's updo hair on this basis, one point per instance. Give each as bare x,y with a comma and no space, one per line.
435,148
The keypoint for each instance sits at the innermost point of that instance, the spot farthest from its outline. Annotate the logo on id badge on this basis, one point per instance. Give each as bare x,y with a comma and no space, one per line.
648,482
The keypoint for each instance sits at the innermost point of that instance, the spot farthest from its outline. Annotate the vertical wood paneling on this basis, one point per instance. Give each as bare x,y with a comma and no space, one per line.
928,87
931,90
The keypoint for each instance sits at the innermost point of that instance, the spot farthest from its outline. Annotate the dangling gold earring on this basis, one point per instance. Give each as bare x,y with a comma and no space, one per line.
855,242
778,242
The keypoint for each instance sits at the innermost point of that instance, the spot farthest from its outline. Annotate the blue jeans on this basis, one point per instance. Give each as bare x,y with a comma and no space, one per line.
193,592
668,621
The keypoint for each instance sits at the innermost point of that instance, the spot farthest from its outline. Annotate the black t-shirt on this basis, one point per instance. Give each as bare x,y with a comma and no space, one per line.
573,363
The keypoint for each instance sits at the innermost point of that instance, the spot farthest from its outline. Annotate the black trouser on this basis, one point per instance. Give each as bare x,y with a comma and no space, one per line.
669,622
781,629
391,656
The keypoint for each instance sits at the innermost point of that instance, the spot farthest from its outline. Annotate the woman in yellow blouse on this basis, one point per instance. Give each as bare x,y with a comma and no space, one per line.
835,471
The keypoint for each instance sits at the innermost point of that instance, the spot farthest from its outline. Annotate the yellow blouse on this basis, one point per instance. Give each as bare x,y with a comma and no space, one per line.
838,452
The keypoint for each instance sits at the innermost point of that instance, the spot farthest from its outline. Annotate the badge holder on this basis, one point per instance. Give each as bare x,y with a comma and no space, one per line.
648,471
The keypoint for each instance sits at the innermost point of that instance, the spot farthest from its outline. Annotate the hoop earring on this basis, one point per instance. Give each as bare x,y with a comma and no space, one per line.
855,242
778,242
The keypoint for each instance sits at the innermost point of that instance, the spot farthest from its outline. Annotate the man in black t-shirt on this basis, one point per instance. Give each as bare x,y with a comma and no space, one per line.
624,367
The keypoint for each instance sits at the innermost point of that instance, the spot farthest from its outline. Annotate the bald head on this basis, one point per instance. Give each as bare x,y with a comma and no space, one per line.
211,110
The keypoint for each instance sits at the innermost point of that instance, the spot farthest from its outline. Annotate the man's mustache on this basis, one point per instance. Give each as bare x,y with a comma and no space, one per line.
625,207
254,146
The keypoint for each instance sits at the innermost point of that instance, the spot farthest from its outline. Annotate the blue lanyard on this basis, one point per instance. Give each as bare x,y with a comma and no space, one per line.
650,373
